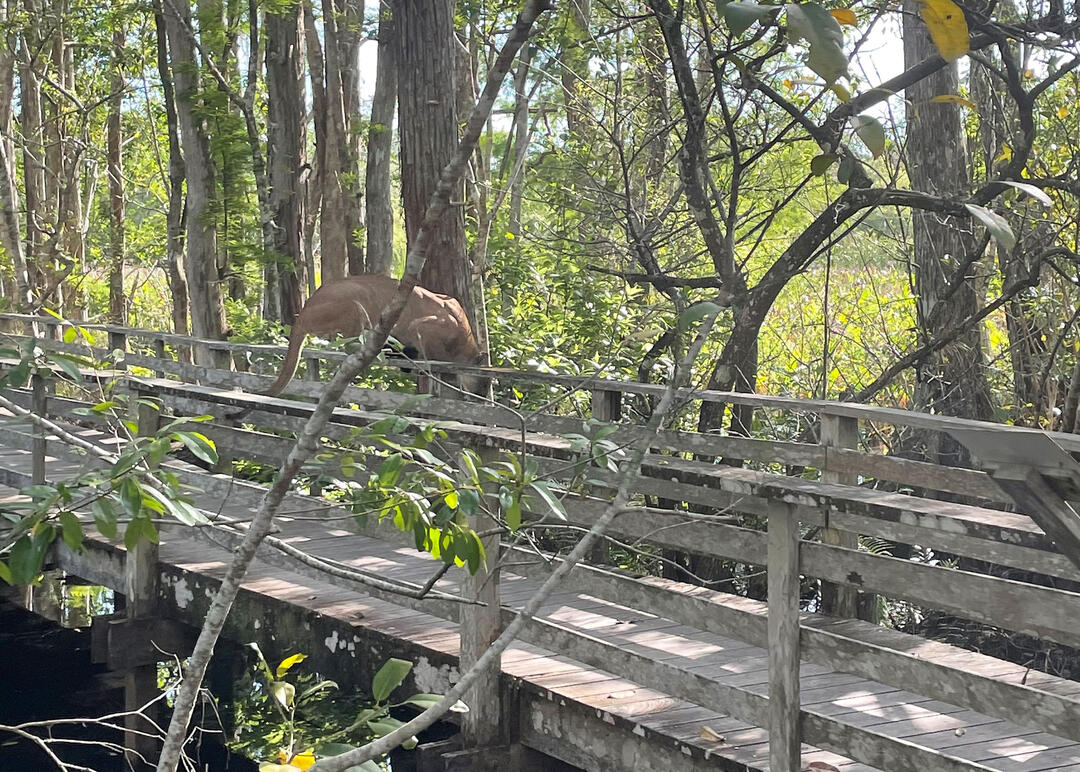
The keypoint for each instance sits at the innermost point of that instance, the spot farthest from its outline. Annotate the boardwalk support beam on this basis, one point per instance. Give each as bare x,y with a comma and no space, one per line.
40,406
784,731
140,595
483,725
839,432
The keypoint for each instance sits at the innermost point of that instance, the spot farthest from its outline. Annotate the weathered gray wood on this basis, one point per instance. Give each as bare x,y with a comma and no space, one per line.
1032,609
906,760
783,620
39,402
1032,491
484,724
838,432
885,415
859,743
850,646
140,589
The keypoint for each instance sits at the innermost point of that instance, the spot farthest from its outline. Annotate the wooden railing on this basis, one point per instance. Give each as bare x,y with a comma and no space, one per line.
834,491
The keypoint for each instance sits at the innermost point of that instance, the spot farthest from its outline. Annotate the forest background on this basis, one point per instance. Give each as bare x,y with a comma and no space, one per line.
912,242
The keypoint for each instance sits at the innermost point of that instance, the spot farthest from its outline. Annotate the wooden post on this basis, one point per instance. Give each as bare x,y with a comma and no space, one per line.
606,407
140,596
39,397
480,626
313,369
159,352
839,432
117,342
785,736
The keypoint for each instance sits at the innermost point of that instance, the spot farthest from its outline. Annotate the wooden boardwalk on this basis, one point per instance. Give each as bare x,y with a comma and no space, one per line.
622,671
559,685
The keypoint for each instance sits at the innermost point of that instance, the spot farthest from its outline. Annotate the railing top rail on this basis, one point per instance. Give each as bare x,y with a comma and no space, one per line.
884,415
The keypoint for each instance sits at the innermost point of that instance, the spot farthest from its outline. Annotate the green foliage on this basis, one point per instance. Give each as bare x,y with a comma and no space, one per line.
391,475
295,718
125,498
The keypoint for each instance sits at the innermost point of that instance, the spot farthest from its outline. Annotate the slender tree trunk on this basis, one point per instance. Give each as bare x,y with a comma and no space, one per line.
521,140
380,210
207,310
285,151
954,381
334,225
114,142
33,143
427,122
17,287
314,180
349,30
575,30
175,217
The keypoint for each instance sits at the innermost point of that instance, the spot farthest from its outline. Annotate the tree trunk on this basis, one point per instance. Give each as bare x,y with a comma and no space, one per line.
953,382
115,172
428,127
349,30
313,185
380,210
33,143
285,152
334,225
575,31
174,228
10,232
207,310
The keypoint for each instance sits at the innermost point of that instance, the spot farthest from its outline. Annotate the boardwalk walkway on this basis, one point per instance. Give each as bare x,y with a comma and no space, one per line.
569,704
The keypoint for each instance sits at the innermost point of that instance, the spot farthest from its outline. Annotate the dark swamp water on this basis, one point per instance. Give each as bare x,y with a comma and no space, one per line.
46,673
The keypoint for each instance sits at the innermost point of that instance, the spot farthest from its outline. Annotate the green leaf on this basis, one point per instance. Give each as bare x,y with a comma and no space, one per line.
104,517
389,677
385,726
995,223
267,766
871,132
468,501
70,334
390,470
425,701
697,312
513,515
131,496
18,375
549,498
25,559
820,164
506,497
741,16
66,363
1036,193
5,573
284,692
186,513
288,662
821,30
71,530
846,168
199,444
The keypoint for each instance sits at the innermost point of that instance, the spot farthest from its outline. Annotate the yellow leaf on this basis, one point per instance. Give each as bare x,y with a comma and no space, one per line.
844,16
1063,112
948,27
955,99
304,760
1006,154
